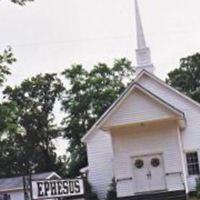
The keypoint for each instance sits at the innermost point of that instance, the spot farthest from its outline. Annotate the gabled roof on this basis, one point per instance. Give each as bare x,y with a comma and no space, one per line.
133,85
144,72
16,183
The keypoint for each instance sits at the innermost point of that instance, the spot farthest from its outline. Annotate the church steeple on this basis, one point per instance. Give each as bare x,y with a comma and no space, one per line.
143,54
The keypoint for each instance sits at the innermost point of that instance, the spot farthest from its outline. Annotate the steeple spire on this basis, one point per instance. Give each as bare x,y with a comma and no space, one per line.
140,34
143,53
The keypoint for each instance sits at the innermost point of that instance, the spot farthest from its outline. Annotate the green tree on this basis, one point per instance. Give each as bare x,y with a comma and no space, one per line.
8,119
6,59
8,111
87,97
32,146
186,77
21,2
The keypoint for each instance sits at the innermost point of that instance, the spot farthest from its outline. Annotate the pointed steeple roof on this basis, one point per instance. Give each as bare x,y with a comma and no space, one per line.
140,33
143,53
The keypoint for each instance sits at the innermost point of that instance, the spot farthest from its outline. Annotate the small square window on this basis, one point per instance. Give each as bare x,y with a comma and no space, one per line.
192,163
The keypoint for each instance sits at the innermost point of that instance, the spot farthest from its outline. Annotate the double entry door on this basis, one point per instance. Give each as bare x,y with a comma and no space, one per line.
149,173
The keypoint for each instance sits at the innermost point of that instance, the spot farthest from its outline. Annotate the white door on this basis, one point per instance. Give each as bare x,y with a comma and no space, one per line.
149,173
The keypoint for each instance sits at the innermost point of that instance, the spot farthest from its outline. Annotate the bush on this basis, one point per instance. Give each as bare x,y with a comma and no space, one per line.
112,191
198,187
89,193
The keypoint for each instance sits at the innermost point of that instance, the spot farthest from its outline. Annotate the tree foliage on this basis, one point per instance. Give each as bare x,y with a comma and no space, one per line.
186,77
21,2
6,59
27,122
8,111
8,119
32,146
88,96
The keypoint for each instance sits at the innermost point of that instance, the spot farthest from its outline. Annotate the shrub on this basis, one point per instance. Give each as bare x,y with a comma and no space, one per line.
112,191
89,193
198,187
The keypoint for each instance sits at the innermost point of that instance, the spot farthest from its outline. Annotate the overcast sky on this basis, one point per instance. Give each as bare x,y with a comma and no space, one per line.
50,35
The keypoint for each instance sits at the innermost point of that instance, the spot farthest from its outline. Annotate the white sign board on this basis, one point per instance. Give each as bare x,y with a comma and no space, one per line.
47,189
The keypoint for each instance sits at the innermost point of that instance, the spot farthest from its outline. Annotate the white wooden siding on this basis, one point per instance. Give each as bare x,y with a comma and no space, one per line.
191,135
128,142
100,156
19,195
138,107
16,195
100,148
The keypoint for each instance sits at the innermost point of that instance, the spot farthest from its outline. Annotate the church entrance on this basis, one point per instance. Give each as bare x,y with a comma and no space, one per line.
149,173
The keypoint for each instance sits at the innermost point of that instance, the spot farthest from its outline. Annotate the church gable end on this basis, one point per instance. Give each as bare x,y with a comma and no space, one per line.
137,107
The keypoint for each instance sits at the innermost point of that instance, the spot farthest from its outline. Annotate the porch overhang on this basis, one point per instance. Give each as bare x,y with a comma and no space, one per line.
181,123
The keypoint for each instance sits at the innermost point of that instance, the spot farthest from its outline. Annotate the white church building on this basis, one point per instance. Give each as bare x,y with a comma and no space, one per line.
148,140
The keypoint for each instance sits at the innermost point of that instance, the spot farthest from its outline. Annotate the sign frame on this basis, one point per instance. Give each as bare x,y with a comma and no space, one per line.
81,195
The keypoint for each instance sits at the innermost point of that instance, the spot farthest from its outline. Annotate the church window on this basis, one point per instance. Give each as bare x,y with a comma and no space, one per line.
192,163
